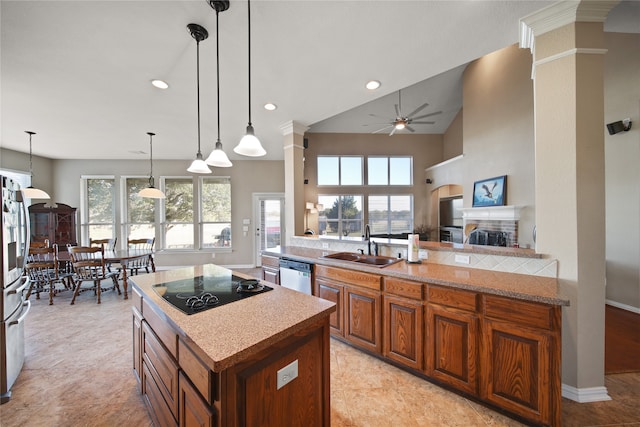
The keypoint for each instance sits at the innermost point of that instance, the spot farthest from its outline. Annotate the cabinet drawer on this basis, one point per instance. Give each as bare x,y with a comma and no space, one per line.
160,327
366,280
532,314
200,375
160,412
404,288
193,410
270,261
161,366
463,300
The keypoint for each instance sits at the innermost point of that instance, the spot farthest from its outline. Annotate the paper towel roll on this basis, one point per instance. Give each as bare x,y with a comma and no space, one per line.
412,248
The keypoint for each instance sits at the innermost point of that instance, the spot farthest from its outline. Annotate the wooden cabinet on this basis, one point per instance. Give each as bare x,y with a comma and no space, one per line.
521,358
194,411
270,269
359,315
403,322
55,224
334,292
452,339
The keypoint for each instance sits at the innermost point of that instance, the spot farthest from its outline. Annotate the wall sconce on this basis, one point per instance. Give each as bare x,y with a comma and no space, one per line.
619,126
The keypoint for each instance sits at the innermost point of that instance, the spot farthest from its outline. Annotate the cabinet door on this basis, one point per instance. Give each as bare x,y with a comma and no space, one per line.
452,347
403,322
362,315
333,292
194,412
270,275
518,372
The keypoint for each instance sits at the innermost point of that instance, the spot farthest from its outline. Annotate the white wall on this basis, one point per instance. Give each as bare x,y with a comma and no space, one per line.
622,174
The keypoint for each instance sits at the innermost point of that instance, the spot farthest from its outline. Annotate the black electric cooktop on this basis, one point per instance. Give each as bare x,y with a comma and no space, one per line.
197,294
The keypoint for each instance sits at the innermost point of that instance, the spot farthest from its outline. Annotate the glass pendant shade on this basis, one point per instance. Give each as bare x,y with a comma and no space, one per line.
199,165
34,193
30,192
218,158
151,192
250,145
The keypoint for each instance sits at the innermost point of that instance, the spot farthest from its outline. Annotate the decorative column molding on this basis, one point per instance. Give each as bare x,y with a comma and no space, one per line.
293,146
560,14
293,127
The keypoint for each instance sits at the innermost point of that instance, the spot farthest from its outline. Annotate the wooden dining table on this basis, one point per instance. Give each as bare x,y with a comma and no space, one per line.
119,256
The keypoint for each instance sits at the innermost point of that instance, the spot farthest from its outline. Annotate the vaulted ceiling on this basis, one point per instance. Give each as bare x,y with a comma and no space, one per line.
78,72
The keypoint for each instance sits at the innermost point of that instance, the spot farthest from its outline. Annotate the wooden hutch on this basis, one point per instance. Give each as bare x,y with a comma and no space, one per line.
56,224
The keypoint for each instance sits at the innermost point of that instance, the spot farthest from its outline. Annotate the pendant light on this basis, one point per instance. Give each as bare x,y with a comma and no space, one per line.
151,192
218,157
249,144
199,33
30,192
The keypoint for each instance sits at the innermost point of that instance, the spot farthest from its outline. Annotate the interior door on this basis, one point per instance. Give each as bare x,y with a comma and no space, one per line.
268,222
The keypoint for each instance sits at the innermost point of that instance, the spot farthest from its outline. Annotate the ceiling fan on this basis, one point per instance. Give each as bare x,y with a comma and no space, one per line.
401,121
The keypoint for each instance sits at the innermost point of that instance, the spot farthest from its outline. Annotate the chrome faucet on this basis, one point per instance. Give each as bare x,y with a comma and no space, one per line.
367,238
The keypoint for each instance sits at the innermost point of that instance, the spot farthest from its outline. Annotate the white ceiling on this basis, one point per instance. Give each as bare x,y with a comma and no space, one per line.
78,72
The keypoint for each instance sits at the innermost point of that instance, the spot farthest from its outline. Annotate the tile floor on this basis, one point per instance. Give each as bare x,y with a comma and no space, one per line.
78,373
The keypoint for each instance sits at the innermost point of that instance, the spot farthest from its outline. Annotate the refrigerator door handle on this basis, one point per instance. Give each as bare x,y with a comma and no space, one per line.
21,288
20,319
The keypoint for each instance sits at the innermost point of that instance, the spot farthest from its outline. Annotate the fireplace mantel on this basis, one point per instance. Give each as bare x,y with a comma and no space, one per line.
493,213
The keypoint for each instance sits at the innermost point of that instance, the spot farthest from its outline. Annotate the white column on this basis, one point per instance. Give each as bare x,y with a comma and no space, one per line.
293,145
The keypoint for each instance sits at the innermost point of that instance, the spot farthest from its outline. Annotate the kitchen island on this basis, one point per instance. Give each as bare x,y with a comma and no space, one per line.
262,360
493,336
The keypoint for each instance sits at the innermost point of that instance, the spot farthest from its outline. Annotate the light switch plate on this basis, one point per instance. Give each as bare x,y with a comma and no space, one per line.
287,374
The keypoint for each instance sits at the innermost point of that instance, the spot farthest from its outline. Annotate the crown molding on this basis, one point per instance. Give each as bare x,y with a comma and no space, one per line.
293,127
560,14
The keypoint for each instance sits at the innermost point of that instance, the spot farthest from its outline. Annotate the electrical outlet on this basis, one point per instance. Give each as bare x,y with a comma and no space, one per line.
287,374
213,255
423,254
325,245
463,259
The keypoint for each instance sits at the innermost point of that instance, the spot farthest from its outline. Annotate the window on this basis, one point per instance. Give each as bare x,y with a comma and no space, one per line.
343,170
389,170
341,216
178,223
216,212
390,214
140,211
99,219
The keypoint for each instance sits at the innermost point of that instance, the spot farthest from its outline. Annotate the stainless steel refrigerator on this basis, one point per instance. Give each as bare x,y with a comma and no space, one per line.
14,246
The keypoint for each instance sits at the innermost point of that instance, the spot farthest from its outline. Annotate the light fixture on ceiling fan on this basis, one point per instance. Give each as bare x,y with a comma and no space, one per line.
199,33
151,192
403,122
30,192
218,157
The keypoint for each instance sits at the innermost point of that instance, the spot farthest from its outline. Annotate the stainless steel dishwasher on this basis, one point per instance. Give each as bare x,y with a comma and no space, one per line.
295,275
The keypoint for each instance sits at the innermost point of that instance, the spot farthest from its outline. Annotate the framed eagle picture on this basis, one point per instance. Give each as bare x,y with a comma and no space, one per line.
490,192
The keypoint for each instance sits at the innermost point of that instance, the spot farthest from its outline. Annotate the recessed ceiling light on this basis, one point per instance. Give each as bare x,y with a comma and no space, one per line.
270,107
160,84
372,85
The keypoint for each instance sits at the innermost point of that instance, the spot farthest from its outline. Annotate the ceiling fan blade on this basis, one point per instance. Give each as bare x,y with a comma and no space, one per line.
377,124
420,108
393,131
398,112
380,130
422,123
427,115
409,128
377,116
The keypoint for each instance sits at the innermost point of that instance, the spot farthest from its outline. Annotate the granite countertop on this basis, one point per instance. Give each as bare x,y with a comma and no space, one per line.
512,285
231,333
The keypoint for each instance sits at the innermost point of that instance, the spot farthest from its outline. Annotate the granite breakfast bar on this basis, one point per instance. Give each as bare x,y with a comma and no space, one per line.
262,360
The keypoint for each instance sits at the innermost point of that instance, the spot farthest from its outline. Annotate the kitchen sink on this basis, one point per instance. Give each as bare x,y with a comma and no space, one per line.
372,260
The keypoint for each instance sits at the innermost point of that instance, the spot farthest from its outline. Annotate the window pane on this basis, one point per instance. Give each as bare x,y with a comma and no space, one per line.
100,232
400,171
178,236
178,206
100,194
216,200
141,231
139,209
379,214
328,170
216,235
341,216
401,214
377,171
350,170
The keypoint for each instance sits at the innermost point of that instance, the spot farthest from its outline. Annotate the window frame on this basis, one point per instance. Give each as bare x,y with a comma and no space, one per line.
340,174
85,225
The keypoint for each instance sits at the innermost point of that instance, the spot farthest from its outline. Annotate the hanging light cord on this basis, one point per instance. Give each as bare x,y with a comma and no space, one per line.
218,73
150,158
198,89
30,157
249,51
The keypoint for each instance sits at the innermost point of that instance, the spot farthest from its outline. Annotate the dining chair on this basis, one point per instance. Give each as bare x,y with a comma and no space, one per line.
137,264
44,272
43,244
109,245
88,266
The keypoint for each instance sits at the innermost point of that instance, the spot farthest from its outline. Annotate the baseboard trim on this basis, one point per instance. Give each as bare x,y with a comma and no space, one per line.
585,395
622,306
